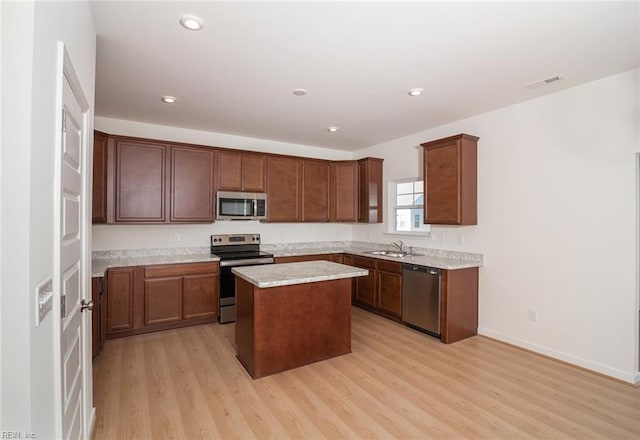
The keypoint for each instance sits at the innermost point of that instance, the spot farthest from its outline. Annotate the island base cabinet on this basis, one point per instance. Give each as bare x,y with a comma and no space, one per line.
459,307
280,328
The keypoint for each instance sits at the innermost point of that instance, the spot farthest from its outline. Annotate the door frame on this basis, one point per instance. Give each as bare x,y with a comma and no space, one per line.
636,378
65,69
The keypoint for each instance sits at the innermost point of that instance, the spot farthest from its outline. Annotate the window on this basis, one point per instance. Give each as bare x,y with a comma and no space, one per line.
407,199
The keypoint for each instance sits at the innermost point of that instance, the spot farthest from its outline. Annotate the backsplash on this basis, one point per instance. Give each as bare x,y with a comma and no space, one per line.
356,245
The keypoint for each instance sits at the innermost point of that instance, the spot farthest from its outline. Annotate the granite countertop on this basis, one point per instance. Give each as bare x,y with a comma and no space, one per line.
439,258
100,265
287,274
449,260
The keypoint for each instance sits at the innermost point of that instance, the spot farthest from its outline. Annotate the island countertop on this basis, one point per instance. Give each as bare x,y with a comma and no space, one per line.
286,274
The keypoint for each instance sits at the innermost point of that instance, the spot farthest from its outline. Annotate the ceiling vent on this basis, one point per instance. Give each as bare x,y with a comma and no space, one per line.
544,82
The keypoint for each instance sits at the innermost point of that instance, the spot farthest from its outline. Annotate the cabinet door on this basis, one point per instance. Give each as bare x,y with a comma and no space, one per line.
120,294
370,190
241,172
337,258
283,189
450,181
200,296
99,195
459,309
191,185
140,182
229,171
162,300
253,172
366,286
390,292
315,191
344,191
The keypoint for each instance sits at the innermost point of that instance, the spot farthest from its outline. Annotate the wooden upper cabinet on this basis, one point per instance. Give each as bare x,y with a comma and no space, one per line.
99,200
283,189
140,182
253,172
450,181
241,171
370,190
344,191
229,171
191,196
150,182
315,190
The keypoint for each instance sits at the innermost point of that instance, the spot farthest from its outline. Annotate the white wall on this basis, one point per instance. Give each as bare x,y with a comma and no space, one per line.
30,32
557,225
163,236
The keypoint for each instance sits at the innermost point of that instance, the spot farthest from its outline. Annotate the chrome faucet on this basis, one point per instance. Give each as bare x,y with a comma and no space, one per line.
399,245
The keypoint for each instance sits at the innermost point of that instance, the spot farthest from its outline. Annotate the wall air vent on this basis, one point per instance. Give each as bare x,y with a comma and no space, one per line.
545,81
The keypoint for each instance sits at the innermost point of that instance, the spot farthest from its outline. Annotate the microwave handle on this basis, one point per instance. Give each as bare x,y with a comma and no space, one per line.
255,208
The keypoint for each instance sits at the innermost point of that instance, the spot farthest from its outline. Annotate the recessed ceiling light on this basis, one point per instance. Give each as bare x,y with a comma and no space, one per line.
299,92
332,129
416,92
191,22
168,99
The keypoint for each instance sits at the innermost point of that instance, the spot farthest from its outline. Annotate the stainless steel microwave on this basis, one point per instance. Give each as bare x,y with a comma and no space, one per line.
232,205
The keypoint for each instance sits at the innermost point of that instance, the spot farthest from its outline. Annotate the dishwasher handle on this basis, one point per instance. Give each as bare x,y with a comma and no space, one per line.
426,269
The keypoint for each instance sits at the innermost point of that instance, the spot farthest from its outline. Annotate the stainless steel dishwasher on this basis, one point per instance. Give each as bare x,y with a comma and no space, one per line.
421,296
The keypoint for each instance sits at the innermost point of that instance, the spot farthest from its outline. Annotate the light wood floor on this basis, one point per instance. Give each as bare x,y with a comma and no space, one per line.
397,383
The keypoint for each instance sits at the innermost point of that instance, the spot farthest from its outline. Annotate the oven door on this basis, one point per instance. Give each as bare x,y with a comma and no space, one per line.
228,286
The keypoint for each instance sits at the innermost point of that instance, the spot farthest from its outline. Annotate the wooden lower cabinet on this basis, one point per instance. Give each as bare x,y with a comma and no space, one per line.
366,287
389,288
200,296
459,307
160,297
120,296
162,300
98,316
381,290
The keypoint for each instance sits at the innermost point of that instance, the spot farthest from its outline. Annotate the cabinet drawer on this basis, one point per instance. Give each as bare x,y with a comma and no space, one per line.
389,266
167,270
365,262
299,258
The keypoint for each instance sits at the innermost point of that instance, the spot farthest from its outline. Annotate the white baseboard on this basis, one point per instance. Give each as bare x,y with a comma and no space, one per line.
633,378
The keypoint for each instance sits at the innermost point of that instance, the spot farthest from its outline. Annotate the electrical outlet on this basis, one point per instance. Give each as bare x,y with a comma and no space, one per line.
460,239
533,314
176,236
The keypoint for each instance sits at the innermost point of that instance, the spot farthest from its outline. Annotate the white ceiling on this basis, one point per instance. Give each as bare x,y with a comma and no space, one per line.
356,59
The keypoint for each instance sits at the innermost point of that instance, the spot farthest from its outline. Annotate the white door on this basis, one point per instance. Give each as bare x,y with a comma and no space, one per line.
71,276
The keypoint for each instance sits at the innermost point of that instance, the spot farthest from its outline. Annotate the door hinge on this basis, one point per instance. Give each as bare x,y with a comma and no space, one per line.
64,121
63,312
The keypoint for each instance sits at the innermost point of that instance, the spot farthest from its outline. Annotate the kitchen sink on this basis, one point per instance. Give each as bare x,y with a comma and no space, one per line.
394,254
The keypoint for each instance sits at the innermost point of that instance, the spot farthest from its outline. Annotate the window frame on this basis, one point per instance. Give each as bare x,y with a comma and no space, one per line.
393,207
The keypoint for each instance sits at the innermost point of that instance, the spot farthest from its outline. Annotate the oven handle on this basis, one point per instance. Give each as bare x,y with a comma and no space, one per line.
246,262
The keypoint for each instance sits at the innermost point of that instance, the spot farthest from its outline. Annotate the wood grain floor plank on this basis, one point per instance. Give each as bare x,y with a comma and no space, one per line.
396,384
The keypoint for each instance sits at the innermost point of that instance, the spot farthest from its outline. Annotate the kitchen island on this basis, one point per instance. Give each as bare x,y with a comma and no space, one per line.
292,314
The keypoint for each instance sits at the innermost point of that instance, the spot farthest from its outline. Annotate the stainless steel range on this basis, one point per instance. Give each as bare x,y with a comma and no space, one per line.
235,250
